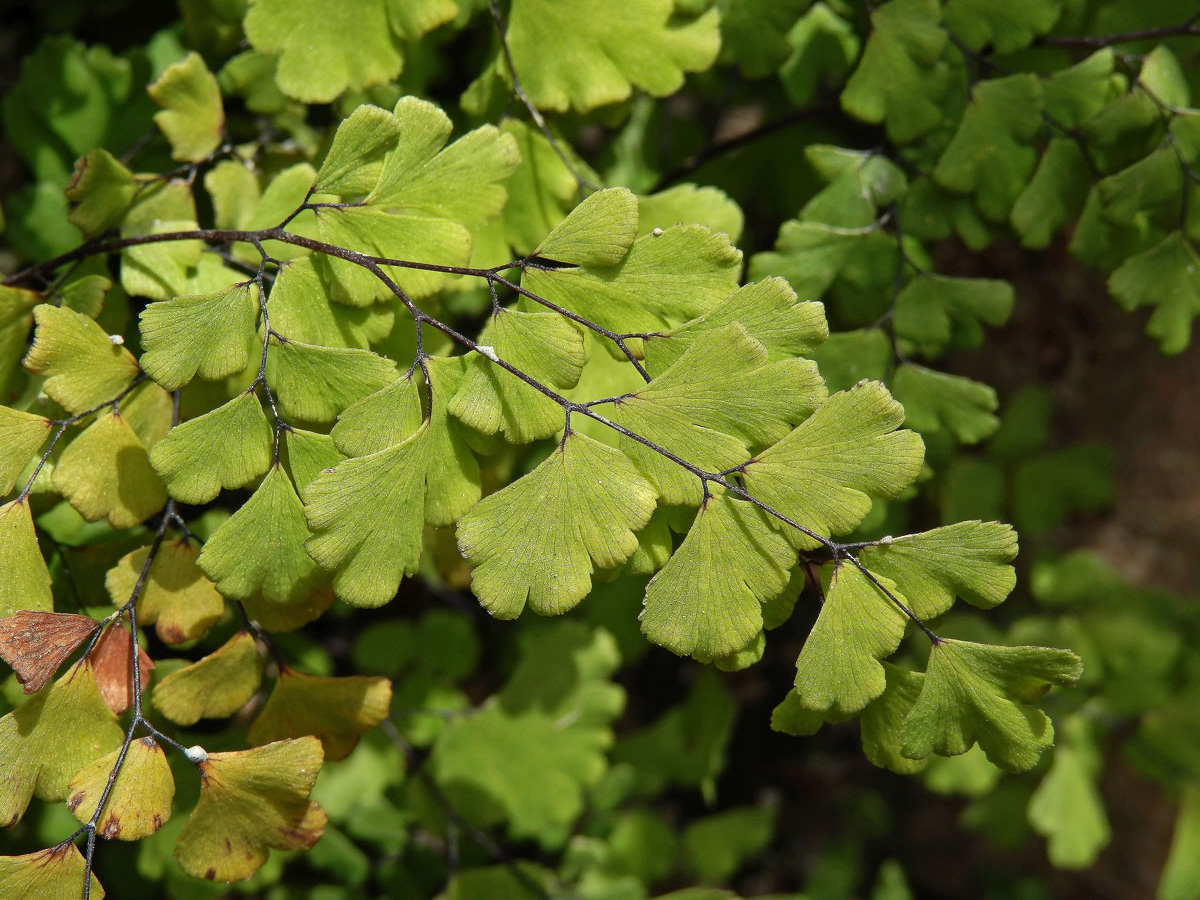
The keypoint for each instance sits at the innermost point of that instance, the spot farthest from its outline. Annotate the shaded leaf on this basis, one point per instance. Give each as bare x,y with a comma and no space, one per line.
176,597
335,710
601,58
213,687
106,474
934,401
899,80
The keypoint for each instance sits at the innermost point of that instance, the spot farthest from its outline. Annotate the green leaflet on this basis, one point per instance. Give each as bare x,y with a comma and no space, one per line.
21,435
209,335
540,191
1008,25
990,155
824,46
718,400
706,602
821,474
754,34
427,197
1163,277
314,384
811,255
976,693
860,185
968,559
769,311
306,453
839,670
16,306
355,157
82,365
192,117
717,846
366,517
227,448
538,539
1054,195
323,51
100,192
26,584
596,233
1181,875
161,270
302,308
382,420
271,522
664,279
599,57
544,346
900,79
372,537
934,401
935,312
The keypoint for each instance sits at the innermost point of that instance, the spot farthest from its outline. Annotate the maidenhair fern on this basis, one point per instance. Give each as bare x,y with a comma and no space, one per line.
386,352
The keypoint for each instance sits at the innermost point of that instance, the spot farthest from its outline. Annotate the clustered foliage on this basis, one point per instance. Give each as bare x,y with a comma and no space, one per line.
283,338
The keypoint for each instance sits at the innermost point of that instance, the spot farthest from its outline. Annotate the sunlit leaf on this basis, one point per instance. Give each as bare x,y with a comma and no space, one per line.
979,693
251,800
140,800
26,581
518,546
82,365
50,738
36,643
